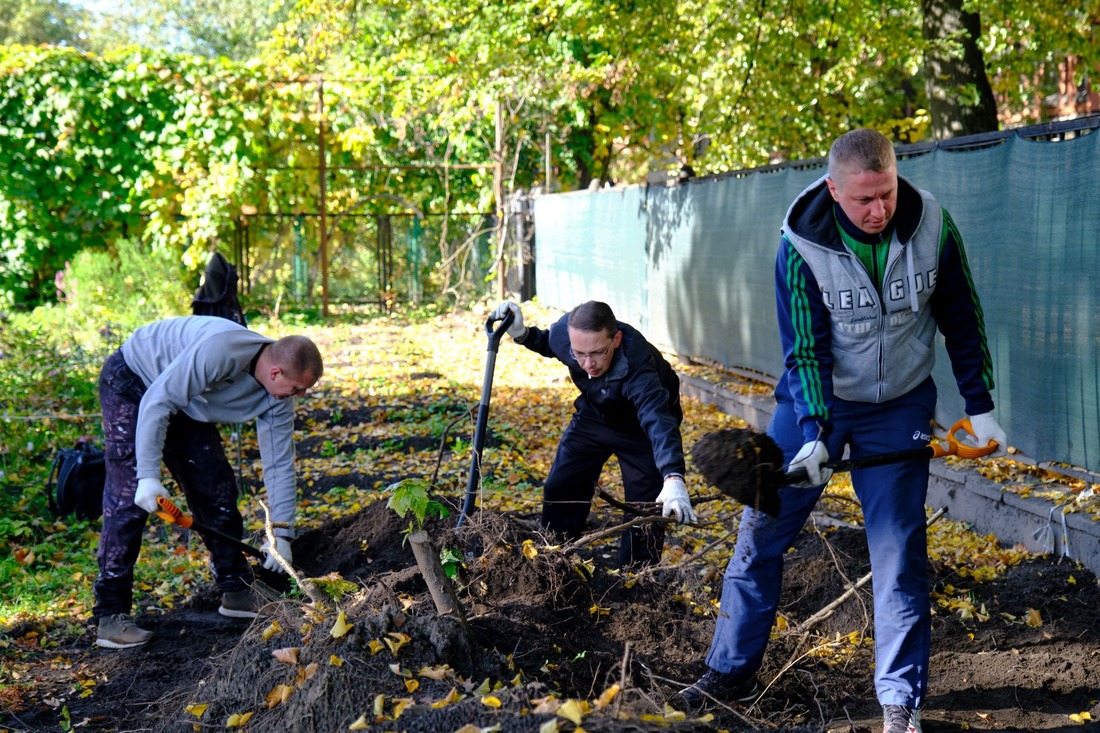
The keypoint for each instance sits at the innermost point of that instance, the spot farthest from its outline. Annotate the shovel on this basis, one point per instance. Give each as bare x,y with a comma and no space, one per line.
748,466
483,410
172,514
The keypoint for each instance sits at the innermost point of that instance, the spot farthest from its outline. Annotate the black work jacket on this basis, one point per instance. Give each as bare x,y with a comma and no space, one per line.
639,392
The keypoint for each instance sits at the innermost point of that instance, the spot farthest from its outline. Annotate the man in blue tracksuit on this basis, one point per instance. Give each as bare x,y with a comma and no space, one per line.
628,406
868,268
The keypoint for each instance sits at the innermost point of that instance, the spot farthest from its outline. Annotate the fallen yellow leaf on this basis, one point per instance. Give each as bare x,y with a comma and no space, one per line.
435,673
607,696
306,672
286,655
272,629
452,697
341,627
395,640
197,709
360,723
399,706
278,694
238,720
335,661
491,701
574,710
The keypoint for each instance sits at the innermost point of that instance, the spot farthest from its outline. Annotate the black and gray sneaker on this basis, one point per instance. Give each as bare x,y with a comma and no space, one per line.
240,604
118,631
716,687
900,719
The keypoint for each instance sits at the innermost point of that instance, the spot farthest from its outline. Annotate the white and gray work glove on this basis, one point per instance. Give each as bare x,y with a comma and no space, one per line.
517,329
811,457
986,429
282,547
675,501
148,490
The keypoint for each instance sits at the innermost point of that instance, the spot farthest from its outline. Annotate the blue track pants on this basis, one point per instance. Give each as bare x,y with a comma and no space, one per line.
892,498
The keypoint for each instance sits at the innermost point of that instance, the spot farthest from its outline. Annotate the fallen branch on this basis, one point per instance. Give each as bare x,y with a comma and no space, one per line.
637,508
617,529
308,587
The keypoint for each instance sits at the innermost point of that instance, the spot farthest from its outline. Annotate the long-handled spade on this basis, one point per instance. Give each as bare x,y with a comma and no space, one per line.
172,514
748,466
472,482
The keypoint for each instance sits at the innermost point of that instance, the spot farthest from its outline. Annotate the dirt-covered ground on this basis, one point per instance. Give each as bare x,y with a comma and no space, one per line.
553,635
559,625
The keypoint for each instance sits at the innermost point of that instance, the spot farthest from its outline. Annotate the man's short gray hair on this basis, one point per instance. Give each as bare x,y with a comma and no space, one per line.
861,150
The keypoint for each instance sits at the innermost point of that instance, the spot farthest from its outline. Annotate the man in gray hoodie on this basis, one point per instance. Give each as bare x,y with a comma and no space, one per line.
162,396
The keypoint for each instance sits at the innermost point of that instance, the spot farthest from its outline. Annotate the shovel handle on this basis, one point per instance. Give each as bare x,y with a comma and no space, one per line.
497,333
469,500
965,450
936,449
172,514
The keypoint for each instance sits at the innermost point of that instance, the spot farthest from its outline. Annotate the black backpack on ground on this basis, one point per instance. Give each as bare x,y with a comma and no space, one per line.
217,293
75,485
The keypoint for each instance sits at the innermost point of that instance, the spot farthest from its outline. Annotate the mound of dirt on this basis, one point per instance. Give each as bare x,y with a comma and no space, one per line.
547,624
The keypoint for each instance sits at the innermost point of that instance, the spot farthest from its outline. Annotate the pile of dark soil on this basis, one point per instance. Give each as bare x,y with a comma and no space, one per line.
547,625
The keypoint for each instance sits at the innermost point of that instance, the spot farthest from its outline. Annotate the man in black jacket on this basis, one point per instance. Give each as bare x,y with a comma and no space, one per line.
629,407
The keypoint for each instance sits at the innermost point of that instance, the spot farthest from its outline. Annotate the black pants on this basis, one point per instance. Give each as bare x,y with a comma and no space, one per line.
585,447
194,456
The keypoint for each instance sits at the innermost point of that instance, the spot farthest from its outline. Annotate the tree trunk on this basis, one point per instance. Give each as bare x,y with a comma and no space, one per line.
960,98
439,585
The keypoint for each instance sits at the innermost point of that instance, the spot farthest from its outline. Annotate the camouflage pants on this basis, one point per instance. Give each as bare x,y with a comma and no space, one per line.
194,455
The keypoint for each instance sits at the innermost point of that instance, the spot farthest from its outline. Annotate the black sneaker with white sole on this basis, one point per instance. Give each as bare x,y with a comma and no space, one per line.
240,604
716,687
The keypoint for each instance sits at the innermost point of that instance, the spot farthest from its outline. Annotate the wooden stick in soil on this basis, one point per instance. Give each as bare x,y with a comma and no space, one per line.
308,587
439,585
827,611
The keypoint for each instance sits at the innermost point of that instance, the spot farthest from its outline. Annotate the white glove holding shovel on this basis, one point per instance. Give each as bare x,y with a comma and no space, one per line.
517,329
811,457
148,491
282,547
986,430
675,501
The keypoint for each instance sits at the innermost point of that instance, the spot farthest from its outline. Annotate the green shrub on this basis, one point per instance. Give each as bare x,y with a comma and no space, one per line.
117,292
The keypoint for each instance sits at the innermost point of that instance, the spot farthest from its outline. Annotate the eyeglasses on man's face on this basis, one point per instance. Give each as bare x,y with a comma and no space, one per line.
583,356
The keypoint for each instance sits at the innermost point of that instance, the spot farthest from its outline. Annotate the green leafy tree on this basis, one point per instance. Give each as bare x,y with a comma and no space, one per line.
34,22
93,149
233,29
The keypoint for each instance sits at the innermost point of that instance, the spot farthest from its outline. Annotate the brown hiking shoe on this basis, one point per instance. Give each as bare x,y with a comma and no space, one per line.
240,604
118,631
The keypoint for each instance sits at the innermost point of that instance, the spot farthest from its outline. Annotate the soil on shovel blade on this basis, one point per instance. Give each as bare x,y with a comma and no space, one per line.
546,626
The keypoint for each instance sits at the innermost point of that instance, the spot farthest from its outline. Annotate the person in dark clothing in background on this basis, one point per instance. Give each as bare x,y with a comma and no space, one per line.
628,406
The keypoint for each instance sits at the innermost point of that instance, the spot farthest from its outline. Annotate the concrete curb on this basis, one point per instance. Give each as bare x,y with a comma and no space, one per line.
967,496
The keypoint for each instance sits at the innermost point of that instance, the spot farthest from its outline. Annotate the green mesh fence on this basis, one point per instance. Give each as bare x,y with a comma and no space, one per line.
379,260
692,266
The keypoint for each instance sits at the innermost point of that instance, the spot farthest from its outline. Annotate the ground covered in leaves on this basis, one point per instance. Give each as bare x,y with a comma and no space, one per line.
555,638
